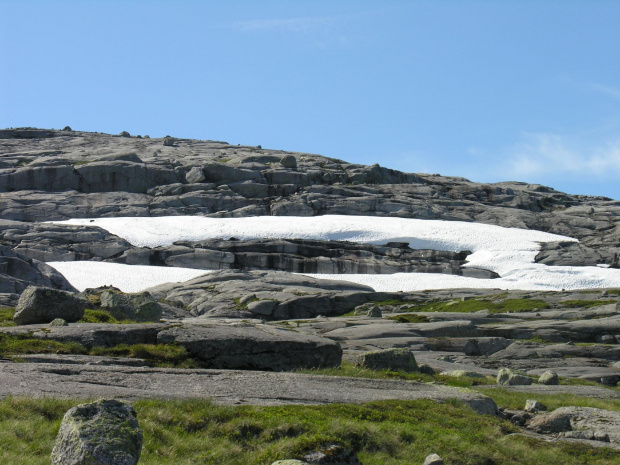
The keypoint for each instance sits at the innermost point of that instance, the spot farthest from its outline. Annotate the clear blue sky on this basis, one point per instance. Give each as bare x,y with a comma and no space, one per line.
488,90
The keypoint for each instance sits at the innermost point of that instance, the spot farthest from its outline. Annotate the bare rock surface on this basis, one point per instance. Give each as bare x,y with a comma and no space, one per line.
248,346
223,386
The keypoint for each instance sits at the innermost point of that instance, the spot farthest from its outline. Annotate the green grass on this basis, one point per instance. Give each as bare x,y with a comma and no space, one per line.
16,345
386,433
475,305
409,318
101,316
584,303
6,316
516,400
161,355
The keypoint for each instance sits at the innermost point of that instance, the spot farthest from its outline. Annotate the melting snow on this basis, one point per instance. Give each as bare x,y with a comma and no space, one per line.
509,252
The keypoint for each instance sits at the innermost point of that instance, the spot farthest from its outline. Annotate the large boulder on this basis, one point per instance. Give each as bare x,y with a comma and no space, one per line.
137,307
389,359
254,347
43,305
105,432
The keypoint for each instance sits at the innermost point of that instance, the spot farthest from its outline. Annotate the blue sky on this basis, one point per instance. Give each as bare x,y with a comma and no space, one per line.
488,90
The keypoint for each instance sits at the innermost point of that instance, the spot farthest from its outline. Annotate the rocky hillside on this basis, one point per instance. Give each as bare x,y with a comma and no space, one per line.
53,175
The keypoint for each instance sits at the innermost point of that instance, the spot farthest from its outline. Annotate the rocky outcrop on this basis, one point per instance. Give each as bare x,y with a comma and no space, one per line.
43,305
17,272
105,432
272,295
53,175
254,347
136,307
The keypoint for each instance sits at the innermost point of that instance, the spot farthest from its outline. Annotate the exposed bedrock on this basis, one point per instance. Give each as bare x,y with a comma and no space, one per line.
304,256
54,175
271,295
17,272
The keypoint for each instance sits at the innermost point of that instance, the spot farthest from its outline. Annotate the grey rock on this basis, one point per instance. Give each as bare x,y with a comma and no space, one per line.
289,161
168,141
534,406
507,377
332,454
195,175
137,307
59,322
433,459
256,347
549,378
557,421
289,462
462,374
105,432
375,312
43,305
389,359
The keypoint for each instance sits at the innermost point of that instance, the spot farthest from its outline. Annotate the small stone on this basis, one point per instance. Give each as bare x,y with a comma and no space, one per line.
105,432
289,462
169,141
195,175
462,374
550,378
433,459
534,406
288,161
375,312
125,134
59,322
332,454
426,369
554,422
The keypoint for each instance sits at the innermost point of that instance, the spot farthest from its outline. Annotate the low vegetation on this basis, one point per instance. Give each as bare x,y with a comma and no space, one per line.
475,305
6,316
387,432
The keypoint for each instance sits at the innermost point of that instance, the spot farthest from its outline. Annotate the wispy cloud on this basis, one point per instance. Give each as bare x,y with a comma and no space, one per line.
294,25
609,90
556,155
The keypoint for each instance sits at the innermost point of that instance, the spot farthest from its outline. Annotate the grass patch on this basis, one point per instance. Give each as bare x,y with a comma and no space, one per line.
585,303
516,400
409,318
163,355
17,345
101,316
388,302
475,305
386,432
6,316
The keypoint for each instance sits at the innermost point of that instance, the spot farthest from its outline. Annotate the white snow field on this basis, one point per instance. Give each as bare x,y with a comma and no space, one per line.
510,252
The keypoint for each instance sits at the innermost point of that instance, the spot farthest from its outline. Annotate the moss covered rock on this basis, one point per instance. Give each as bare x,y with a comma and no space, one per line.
389,359
105,432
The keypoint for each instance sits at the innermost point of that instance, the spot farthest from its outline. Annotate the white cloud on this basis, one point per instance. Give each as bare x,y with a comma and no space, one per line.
553,154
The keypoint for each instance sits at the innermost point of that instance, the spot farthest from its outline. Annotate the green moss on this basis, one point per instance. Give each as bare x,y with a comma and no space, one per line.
102,316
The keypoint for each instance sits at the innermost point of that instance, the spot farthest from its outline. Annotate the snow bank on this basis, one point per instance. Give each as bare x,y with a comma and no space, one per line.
509,252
